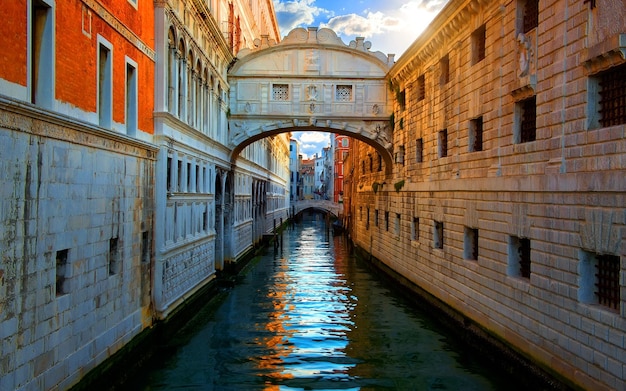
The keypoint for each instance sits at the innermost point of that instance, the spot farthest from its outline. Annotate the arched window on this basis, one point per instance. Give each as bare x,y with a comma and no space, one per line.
181,79
171,72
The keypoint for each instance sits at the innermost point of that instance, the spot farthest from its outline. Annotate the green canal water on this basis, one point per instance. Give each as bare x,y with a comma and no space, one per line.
310,316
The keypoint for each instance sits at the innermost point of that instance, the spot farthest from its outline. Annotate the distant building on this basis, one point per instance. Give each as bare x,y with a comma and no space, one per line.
307,173
294,170
340,148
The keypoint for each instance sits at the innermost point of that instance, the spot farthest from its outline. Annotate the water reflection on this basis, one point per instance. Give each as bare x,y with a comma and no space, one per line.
309,316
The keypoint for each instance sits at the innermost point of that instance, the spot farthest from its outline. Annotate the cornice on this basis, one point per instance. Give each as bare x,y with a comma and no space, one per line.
446,25
120,27
89,131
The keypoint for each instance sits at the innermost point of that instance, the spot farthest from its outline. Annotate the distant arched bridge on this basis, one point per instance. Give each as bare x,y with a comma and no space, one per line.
332,207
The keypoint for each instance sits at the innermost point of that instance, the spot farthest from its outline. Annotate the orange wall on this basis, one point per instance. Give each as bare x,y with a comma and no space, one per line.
13,42
77,55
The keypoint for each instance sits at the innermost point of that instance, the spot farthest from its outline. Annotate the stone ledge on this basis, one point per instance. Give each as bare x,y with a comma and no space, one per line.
604,55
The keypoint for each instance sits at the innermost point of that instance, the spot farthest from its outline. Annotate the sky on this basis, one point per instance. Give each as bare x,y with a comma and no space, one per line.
390,25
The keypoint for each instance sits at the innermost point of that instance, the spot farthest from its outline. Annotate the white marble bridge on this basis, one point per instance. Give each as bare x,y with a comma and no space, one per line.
328,206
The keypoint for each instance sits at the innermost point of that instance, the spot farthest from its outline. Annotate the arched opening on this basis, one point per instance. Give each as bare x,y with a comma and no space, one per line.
268,130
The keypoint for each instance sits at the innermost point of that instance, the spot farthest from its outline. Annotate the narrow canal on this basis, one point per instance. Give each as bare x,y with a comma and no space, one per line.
309,316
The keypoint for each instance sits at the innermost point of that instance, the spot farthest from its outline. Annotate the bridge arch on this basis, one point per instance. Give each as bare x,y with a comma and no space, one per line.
311,81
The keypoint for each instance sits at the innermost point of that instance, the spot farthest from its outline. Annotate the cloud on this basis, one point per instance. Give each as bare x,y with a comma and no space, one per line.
363,26
311,142
291,14
391,30
314,137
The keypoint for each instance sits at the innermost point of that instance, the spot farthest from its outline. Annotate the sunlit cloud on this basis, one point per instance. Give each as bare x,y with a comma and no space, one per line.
363,26
391,26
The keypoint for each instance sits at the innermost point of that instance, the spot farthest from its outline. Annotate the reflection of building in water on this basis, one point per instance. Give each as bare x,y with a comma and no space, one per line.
277,346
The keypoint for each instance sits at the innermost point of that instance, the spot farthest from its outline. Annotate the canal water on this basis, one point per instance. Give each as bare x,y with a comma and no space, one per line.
309,316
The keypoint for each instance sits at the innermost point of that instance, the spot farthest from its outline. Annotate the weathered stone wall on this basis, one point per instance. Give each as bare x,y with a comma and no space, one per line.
465,212
76,218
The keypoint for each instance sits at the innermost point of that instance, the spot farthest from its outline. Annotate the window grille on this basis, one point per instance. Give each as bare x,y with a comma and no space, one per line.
528,129
343,93
444,66
443,143
419,148
476,134
531,15
613,96
421,88
438,235
61,272
607,277
478,44
471,244
524,257
280,92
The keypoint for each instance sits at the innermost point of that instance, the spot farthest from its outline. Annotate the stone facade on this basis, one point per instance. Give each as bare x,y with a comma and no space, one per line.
204,216
507,196
121,197
76,221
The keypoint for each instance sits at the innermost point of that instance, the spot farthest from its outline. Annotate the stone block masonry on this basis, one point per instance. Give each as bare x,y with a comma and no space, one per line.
512,212
70,295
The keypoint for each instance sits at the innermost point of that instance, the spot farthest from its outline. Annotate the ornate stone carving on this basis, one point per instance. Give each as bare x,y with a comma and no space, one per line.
382,136
523,53
312,92
311,61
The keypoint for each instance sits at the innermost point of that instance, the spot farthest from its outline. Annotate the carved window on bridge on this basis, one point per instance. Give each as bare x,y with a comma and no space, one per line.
280,92
343,93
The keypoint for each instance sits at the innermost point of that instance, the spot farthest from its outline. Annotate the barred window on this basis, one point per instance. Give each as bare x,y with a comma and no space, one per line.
478,44
526,113
607,285
613,96
443,143
419,150
280,92
531,15
599,279
343,93
519,257
421,88
476,135
444,68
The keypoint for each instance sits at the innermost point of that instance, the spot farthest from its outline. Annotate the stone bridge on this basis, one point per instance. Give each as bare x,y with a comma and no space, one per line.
328,206
311,81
